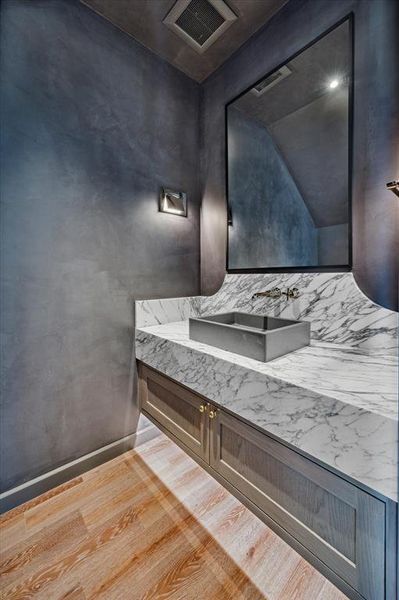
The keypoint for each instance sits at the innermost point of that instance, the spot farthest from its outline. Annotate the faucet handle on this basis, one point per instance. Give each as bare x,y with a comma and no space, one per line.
275,292
291,293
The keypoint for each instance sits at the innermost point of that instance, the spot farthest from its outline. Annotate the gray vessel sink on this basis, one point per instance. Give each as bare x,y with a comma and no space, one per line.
256,336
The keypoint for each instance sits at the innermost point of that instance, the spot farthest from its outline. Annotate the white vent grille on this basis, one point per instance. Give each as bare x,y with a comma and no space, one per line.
200,22
271,81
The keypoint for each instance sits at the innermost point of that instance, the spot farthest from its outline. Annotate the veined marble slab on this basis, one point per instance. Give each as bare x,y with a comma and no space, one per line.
168,310
338,311
335,400
335,403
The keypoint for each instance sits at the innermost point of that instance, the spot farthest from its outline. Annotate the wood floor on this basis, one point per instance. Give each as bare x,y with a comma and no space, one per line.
150,524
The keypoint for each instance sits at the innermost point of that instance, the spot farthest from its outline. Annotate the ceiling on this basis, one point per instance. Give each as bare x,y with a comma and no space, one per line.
311,71
142,19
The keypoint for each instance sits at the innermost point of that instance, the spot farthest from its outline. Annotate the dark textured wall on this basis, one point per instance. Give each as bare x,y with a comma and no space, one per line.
271,225
314,143
376,132
332,244
92,125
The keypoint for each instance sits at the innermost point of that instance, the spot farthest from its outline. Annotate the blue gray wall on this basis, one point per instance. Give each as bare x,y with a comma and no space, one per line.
376,126
332,244
271,225
92,125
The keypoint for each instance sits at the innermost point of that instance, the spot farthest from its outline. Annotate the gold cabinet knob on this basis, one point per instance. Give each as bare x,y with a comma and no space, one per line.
212,413
202,408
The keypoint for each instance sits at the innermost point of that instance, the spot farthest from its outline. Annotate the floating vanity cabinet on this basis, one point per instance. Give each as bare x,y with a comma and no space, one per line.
176,409
339,523
336,525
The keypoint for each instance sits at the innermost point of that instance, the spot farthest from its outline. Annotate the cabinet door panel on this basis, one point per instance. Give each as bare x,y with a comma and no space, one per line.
342,525
177,409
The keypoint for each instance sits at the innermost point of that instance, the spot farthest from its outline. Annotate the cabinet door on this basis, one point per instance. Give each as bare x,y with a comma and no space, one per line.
179,411
339,523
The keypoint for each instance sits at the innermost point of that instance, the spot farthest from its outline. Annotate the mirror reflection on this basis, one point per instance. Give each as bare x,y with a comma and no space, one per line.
288,162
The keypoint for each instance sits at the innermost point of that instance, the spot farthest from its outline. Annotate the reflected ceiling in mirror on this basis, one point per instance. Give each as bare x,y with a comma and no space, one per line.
288,162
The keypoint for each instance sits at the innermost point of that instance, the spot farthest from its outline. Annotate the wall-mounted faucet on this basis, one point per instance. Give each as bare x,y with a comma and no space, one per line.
277,293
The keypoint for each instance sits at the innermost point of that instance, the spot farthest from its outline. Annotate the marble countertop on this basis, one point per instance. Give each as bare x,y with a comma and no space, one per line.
333,402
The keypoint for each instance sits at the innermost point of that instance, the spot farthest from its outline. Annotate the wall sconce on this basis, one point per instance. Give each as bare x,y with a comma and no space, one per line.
394,187
172,202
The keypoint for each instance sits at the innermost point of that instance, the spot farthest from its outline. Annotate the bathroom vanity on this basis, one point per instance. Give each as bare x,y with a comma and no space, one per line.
308,440
283,385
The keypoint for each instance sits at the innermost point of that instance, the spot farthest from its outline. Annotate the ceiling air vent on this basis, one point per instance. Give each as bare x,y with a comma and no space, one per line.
200,22
271,81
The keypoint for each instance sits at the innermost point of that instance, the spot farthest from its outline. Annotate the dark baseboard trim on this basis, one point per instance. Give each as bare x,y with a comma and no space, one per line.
39,485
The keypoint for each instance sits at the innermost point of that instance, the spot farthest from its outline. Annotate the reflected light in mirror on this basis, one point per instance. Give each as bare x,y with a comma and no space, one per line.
334,83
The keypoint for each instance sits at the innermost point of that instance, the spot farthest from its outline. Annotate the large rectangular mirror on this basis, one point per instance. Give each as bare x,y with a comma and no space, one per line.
288,162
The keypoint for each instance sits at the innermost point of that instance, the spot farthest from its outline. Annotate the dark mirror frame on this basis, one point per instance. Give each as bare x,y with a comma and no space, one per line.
325,269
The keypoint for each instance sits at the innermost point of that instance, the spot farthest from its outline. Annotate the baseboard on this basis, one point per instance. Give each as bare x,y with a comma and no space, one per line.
39,485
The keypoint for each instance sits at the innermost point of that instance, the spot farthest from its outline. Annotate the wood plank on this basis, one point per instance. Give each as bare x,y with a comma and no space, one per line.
54,570
23,508
76,593
76,497
12,531
43,546
301,585
152,524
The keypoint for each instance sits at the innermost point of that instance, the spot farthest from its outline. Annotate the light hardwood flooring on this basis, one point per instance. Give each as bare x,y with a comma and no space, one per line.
150,524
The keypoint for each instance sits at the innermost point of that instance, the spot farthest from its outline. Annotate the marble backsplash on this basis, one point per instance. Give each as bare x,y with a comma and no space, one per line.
338,310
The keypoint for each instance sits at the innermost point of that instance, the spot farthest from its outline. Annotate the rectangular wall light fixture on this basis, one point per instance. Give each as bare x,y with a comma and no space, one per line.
172,202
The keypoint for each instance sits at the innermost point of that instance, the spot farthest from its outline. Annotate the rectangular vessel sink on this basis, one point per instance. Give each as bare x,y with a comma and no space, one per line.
256,336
